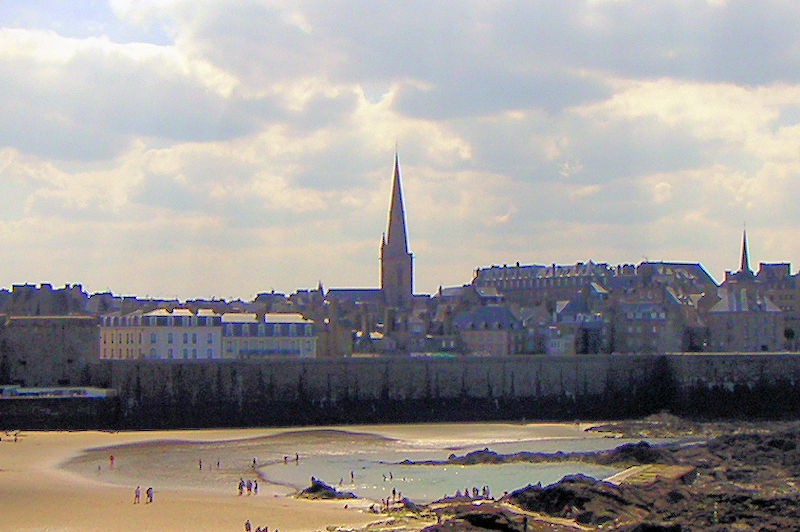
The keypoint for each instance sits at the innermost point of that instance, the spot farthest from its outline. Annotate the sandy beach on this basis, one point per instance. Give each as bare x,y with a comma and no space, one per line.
43,488
35,495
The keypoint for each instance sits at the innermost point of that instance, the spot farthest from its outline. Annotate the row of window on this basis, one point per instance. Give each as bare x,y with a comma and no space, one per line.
129,338
161,321
268,329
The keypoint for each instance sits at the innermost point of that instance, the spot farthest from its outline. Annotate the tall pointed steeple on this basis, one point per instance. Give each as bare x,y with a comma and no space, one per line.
396,238
396,261
745,266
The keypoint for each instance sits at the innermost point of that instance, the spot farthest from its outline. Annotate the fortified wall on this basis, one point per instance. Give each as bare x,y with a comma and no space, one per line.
47,350
156,394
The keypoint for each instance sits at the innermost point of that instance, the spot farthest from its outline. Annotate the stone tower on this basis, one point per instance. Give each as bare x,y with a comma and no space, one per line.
396,261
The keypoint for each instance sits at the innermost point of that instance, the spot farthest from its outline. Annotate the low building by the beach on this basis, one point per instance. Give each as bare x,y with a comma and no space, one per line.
182,334
161,335
248,335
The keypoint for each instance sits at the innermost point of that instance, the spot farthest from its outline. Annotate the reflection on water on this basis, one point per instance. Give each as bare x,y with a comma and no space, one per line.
331,456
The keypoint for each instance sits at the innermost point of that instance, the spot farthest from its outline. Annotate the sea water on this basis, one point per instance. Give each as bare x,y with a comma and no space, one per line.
368,462
379,471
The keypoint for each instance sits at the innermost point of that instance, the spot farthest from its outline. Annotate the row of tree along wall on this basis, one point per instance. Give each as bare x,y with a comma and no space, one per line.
159,394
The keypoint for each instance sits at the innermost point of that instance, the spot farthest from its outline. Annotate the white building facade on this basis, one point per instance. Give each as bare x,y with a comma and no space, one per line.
162,335
247,336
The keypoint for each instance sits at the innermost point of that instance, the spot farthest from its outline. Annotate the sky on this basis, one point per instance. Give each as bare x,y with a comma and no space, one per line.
197,149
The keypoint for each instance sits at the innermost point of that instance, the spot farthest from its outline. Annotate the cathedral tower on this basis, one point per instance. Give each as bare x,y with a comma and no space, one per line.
396,261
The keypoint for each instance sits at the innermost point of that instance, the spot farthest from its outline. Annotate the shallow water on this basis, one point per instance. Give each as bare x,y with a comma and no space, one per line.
331,455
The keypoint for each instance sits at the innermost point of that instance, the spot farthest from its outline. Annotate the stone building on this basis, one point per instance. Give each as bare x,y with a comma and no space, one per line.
161,334
47,350
783,289
740,316
491,330
247,336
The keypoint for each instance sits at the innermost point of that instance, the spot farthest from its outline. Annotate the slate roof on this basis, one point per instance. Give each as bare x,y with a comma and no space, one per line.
488,317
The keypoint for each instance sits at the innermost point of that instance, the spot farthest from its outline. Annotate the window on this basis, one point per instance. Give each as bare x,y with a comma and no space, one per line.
152,338
169,338
185,353
210,353
185,338
194,338
210,337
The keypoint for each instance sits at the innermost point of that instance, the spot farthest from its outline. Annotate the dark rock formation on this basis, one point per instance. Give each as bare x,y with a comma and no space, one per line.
588,501
637,453
320,490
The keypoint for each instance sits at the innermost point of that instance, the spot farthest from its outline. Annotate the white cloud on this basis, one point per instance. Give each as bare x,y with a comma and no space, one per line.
167,132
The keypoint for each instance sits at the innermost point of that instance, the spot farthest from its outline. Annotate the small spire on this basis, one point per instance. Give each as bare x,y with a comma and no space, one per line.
745,266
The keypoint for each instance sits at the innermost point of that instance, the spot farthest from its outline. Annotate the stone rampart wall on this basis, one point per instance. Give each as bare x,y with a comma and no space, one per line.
403,378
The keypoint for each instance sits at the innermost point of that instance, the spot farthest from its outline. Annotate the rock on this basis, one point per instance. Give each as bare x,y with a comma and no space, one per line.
320,490
637,453
490,519
586,500
651,527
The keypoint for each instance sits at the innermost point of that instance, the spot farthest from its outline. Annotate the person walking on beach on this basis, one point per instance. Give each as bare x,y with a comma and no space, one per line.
149,494
136,494
255,487
200,464
247,527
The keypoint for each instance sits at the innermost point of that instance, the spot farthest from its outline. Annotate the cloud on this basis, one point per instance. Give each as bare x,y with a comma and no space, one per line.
87,99
158,135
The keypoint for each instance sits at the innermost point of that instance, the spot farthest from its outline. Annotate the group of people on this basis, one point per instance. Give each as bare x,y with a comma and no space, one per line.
200,464
137,494
249,528
250,485
483,493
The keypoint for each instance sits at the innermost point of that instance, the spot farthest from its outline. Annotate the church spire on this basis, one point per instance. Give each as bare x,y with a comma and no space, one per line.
397,276
745,266
396,239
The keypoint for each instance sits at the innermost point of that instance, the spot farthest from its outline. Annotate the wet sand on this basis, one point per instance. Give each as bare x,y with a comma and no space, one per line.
35,495
38,493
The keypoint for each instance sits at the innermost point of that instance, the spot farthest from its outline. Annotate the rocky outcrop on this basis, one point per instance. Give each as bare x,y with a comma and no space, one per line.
320,490
587,501
739,482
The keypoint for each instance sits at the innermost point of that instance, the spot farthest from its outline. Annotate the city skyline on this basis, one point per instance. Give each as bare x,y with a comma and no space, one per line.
221,149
